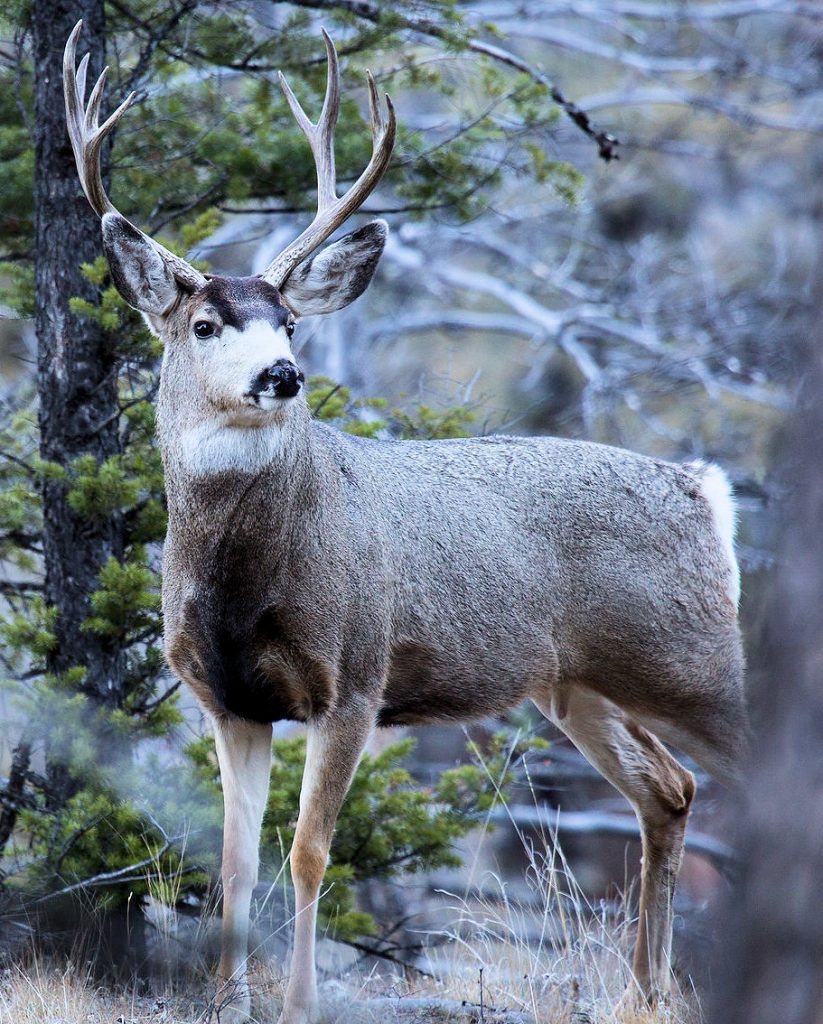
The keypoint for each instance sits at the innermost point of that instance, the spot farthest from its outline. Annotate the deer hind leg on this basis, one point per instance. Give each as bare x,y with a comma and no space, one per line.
660,790
333,749
244,756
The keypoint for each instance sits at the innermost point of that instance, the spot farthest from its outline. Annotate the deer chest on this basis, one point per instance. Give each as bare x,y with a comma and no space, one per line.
256,664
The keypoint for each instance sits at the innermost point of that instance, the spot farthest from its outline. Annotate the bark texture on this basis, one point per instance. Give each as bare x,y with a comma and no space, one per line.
77,379
13,795
774,934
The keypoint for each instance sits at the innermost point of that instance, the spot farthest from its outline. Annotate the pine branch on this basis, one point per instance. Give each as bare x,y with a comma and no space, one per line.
149,707
156,35
606,142
25,466
16,588
120,875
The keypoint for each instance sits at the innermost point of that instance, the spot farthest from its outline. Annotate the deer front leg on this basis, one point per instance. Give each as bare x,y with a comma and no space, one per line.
244,755
333,748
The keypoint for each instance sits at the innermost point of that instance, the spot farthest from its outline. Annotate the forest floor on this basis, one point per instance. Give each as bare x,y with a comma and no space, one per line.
538,951
485,972
50,994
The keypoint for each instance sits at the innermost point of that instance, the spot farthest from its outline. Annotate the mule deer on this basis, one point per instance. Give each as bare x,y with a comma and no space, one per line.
347,583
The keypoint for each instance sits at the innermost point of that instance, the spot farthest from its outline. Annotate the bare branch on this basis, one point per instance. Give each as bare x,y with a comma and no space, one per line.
606,142
599,823
118,876
331,210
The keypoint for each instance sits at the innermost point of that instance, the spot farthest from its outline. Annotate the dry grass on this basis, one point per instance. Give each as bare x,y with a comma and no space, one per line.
553,960
37,992
575,972
41,993
572,970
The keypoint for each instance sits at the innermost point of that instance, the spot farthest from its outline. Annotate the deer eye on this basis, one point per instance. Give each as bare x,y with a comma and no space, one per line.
203,329
290,329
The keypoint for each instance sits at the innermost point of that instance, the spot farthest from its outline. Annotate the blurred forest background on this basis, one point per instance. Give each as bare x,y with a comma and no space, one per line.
606,224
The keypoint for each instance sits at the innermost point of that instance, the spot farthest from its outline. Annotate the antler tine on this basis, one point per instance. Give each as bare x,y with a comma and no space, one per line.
81,78
331,104
331,210
91,121
87,136
305,124
321,135
326,125
375,114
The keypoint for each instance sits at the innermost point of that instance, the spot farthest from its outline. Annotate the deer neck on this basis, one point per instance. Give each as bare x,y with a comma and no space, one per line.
216,460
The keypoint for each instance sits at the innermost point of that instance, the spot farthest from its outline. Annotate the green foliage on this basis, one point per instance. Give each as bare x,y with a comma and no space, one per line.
389,825
98,489
19,509
17,289
29,633
197,146
426,423
96,832
333,403
566,180
17,161
19,498
200,229
127,602
130,338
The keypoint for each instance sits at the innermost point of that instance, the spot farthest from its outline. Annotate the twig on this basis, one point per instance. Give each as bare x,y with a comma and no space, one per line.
149,706
434,1008
27,467
606,142
330,395
384,954
722,856
126,874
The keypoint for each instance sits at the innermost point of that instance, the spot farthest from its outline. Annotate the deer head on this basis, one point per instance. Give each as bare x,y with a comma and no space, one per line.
228,338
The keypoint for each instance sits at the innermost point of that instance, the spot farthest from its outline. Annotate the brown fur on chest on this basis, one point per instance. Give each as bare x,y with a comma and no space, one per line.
254,666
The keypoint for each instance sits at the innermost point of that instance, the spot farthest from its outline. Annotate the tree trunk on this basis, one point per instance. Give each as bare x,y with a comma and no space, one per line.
773,945
14,795
76,369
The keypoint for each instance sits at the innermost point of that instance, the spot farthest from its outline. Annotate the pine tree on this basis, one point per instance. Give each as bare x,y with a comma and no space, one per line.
82,507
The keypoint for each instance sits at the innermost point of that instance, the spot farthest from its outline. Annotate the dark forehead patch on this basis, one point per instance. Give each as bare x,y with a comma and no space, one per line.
239,300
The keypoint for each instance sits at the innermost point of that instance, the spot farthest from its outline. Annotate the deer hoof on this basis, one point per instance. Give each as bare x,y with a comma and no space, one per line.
300,1015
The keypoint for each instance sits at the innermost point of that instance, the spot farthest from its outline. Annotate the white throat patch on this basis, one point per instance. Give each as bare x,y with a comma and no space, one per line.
218,447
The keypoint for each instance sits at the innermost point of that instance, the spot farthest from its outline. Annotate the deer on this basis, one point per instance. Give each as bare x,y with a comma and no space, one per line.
347,583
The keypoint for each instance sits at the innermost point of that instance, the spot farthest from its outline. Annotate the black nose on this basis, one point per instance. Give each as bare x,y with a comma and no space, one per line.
286,378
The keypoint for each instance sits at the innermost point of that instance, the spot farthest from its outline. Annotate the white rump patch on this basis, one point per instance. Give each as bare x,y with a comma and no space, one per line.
716,489
218,447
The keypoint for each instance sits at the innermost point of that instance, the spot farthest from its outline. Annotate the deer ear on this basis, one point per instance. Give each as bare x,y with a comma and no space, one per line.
337,274
138,270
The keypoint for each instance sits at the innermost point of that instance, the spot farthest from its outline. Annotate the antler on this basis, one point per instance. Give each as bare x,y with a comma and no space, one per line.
332,211
87,136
